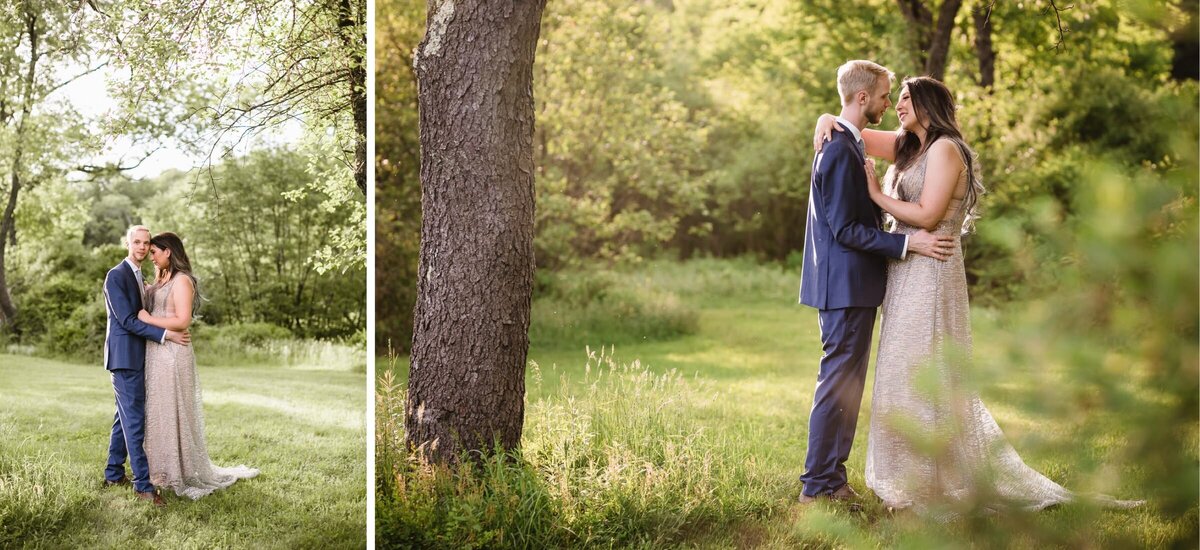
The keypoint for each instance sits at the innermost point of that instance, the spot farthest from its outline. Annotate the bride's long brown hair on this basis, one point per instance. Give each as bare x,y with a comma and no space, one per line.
178,262
934,103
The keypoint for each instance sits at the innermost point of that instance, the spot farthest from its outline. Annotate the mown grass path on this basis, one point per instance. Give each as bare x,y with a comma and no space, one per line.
304,429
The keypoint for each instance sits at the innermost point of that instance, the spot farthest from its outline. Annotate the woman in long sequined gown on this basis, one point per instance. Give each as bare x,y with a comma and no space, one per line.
931,440
175,444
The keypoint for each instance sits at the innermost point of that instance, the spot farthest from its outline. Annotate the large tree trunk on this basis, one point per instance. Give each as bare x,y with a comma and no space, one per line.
466,388
8,310
920,25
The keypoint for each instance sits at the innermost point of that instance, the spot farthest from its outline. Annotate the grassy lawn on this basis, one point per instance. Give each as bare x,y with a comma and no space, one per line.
303,428
699,440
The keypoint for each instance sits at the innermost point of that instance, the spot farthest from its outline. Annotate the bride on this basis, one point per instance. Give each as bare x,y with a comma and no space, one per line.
931,439
174,443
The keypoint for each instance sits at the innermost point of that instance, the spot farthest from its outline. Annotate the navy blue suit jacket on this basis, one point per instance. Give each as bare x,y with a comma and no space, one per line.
845,247
126,335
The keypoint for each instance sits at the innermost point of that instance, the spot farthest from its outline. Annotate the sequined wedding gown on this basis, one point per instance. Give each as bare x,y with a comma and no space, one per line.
175,445
931,440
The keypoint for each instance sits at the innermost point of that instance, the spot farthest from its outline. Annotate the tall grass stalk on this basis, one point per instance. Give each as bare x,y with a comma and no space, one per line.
618,462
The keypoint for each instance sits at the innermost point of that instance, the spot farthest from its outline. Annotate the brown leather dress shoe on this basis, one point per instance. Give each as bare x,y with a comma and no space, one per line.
110,483
845,492
805,499
153,497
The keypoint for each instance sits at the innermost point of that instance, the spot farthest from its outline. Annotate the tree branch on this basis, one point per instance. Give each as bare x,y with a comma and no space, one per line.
1062,29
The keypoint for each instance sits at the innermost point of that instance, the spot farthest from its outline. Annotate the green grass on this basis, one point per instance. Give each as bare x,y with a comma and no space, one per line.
304,429
699,441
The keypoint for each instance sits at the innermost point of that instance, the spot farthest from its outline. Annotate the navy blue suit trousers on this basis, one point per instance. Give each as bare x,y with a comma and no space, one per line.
128,430
846,343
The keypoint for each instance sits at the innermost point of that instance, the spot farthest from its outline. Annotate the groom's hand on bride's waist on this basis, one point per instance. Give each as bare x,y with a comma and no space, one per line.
182,337
938,247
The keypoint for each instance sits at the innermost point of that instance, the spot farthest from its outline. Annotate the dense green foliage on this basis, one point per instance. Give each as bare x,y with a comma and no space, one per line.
253,230
684,128
699,441
398,27
216,75
302,428
256,230
601,306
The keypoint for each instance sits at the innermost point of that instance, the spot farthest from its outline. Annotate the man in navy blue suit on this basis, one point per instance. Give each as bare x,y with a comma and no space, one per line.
125,359
844,276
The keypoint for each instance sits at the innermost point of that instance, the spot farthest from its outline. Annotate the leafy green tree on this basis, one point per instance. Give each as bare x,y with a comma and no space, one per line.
398,27
684,127
253,231
618,154
45,46
263,65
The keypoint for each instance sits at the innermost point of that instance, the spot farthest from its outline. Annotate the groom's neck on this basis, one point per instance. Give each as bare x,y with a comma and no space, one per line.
133,261
854,116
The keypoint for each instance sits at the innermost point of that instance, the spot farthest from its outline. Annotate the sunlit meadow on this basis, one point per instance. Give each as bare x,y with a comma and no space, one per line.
301,423
699,439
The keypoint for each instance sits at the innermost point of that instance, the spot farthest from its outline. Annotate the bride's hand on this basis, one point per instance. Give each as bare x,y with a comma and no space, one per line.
144,316
824,132
872,179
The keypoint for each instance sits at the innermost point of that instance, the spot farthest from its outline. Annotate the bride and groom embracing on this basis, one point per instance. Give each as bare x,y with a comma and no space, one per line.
159,424
931,440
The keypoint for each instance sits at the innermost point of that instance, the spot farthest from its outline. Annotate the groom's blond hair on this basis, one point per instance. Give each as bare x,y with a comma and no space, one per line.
860,75
133,229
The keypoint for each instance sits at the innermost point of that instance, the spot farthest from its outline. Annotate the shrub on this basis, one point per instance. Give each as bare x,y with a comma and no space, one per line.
53,301
243,335
592,306
78,336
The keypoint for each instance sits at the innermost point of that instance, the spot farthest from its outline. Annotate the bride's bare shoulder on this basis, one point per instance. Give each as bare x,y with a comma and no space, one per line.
946,153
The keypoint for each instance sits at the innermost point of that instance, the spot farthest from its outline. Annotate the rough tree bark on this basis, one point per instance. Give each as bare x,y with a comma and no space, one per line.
474,70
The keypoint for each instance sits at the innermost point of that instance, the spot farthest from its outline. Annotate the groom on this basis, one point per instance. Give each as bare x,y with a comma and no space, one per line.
125,359
844,273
